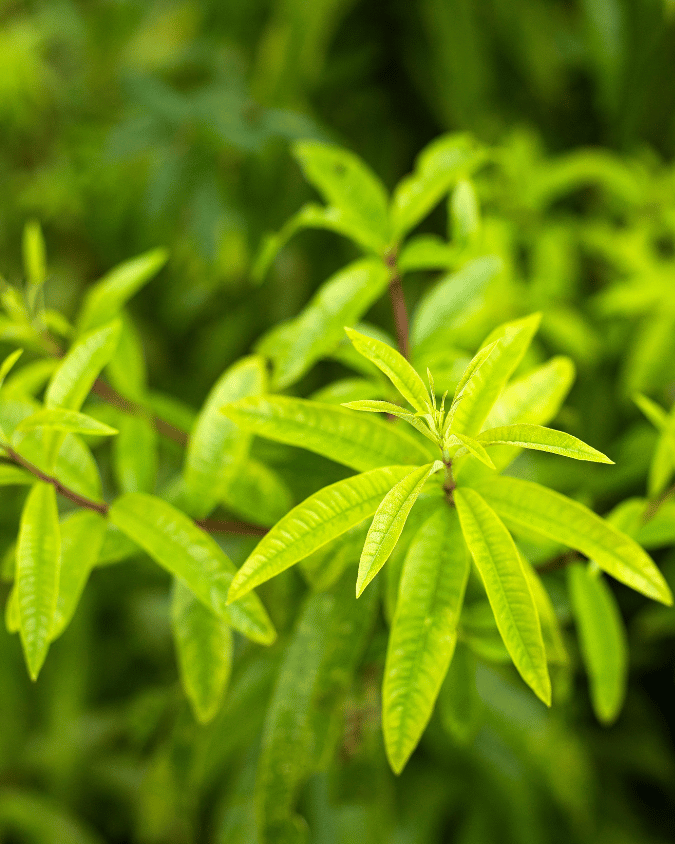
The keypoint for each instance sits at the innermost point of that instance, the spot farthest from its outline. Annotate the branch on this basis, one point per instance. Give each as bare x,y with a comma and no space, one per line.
398,306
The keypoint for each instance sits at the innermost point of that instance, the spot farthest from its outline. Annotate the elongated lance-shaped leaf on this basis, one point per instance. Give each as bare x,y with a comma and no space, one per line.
395,367
393,410
328,513
14,475
304,716
72,381
525,504
38,563
347,183
216,446
662,463
82,536
475,448
34,257
556,652
204,650
486,382
178,545
69,421
257,493
424,631
105,298
8,363
459,705
542,439
498,562
389,521
135,454
360,442
654,412
602,638
295,346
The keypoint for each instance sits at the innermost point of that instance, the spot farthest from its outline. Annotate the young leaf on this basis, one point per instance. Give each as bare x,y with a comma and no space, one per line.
508,591
482,388
71,382
295,346
359,442
423,633
216,446
393,410
328,513
105,298
345,182
57,419
475,448
82,536
525,504
178,545
204,650
542,439
437,168
34,258
464,213
395,367
8,363
389,521
38,562
602,638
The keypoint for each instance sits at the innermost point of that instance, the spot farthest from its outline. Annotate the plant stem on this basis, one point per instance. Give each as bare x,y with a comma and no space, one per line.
398,305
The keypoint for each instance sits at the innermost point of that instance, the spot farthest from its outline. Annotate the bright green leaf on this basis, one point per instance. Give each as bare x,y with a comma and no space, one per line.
424,632
464,213
542,439
528,505
328,513
602,638
475,448
8,363
360,442
556,652
38,562
507,588
34,257
395,367
135,454
13,475
178,545
204,650
58,419
426,252
389,521
393,410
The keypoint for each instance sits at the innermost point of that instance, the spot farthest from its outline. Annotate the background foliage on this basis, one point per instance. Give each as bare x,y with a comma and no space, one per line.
128,126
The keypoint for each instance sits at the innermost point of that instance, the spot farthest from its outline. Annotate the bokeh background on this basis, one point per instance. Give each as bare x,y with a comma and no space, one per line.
127,125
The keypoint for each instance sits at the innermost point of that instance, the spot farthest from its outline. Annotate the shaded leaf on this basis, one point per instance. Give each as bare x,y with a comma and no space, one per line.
507,588
328,513
257,493
135,454
191,555
424,631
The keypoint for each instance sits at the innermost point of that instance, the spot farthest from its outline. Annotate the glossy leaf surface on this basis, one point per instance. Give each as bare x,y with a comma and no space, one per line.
542,439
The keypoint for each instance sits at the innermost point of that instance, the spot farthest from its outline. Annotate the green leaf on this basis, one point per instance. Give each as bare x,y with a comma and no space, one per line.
191,555
204,650
328,513
82,535
654,412
556,652
14,475
38,562
135,454
216,446
424,632
30,379
344,181
395,367
426,252
459,704
105,298
389,521
478,394
257,493
33,817
126,369
34,258
58,419
542,439
393,410
602,638
475,448
507,588
528,505
464,213
71,382
359,442
295,346
437,168
8,363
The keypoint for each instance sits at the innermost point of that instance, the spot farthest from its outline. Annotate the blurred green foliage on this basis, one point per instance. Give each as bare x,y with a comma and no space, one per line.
128,126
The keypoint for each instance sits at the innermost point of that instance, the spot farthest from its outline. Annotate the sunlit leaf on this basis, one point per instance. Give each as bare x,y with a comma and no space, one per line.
216,446
389,521
424,631
191,555
524,504
204,649
474,447
508,591
542,439
34,258
58,419
360,442
328,513
105,298
393,410
8,363
602,638
38,562
82,536
11,475
464,214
